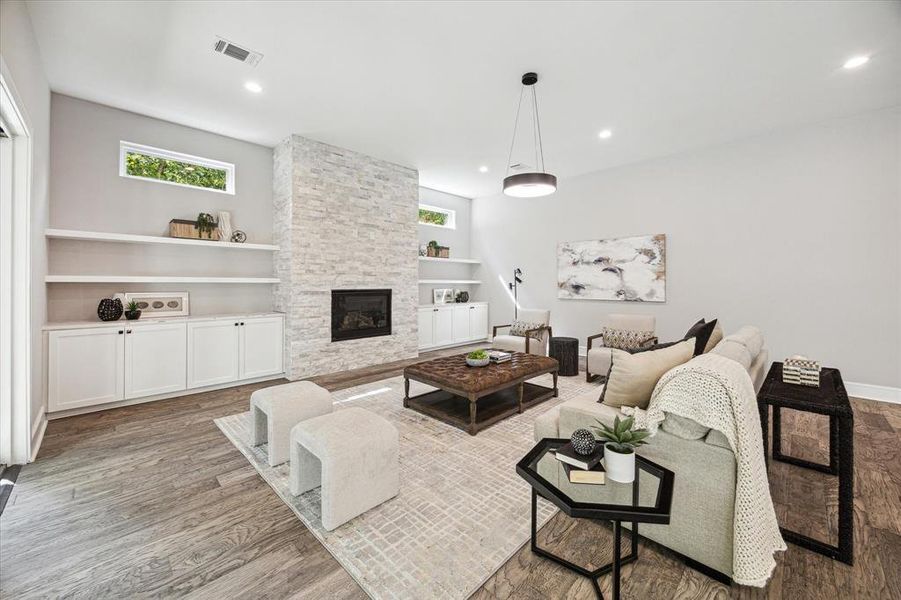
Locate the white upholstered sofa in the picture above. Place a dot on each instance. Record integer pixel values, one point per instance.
(704, 490)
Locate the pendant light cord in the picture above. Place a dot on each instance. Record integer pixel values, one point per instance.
(540, 149)
(536, 131)
(515, 124)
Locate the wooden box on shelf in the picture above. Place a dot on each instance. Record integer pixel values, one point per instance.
(438, 252)
(183, 228)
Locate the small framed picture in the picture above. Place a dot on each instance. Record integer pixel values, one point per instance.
(161, 304)
(442, 295)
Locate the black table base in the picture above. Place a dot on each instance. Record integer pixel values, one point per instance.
(614, 567)
(566, 351)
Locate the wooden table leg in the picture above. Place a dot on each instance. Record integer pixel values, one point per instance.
(473, 403)
(406, 392)
(519, 395)
(556, 392)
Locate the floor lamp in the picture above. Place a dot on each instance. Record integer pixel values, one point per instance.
(514, 285)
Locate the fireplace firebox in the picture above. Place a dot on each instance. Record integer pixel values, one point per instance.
(360, 314)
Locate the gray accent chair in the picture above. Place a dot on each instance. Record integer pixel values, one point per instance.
(528, 343)
(597, 359)
(704, 491)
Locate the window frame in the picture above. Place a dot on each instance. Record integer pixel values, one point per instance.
(126, 147)
(451, 213)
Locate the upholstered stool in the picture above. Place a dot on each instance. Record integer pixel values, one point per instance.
(352, 454)
(275, 410)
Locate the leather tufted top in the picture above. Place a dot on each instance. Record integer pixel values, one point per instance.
(452, 371)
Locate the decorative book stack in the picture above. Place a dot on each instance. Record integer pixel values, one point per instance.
(497, 356)
(582, 468)
(800, 370)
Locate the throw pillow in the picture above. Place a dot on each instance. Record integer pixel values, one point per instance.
(701, 332)
(632, 377)
(654, 347)
(715, 337)
(625, 339)
(519, 328)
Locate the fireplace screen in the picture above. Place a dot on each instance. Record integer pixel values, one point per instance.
(360, 314)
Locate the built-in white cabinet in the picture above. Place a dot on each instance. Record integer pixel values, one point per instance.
(154, 359)
(452, 324)
(85, 367)
(102, 363)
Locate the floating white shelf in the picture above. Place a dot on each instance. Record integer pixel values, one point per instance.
(465, 261)
(153, 279)
(128, 238)
(457, 281)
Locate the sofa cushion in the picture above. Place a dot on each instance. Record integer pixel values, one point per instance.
(734, 350)
(632, 377)
(625, 339)
(717, 438)
(683, 427)
(701, 332)
(715, 336)
(750, 337)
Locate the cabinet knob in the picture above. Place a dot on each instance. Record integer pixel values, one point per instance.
(121, 332)
(128, 331)
(242, 324)
(236, 324)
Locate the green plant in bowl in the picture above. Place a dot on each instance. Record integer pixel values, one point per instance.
(477, 355)
(477, 358)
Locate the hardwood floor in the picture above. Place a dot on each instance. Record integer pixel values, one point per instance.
(152, 501)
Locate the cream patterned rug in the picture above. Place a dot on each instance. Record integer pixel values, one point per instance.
(462, 510)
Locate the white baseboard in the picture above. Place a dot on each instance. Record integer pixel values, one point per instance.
(881, 393)
(98, 407)
(37, 434)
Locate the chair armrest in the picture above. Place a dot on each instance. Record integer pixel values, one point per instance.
(535, 331)
(591, 338)
(496, 327)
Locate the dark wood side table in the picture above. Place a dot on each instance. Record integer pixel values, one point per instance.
(830, 399)
(566, 351)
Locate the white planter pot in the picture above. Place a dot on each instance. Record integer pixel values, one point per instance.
(620, 467)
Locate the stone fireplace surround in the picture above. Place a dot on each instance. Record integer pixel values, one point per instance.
(342, 220)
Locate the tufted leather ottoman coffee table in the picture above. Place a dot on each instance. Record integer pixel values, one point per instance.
(473, 398)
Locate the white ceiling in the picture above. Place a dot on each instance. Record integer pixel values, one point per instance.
(434, 85)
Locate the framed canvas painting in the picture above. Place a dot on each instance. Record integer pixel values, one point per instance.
(629, 269)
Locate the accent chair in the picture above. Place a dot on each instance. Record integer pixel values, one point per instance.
(641, 328)
(529, 333)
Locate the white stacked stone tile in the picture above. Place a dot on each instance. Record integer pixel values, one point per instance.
(342, 220)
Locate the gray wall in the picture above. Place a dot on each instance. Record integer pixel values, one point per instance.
(20, 53)
(87, 193)
(458, 240)
(797, 232)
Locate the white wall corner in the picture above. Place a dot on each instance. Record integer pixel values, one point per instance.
(37, 434)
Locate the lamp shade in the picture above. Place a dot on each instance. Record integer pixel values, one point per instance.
(530, 185)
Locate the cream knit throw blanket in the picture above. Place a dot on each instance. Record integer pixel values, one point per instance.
(717, 392)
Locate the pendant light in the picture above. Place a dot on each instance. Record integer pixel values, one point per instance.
(536, 183)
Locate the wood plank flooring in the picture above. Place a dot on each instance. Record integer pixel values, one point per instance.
(152, 501)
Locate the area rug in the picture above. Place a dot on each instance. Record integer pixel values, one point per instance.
(462, 510)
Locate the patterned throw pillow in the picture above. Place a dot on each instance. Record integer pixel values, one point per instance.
(519, 328)
(624, 339)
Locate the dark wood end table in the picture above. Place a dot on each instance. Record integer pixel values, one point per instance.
(473, 398)
(829, 399)
(613, 501)
(566, 351)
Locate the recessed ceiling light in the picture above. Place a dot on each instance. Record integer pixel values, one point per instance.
(253, 86)
(856, 61)
(605, 134)
(483, 169)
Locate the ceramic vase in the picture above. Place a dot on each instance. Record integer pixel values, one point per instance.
(620, 467)
(225, 226)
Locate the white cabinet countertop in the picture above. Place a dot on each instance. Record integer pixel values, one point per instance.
(448, 304)
(151, 320)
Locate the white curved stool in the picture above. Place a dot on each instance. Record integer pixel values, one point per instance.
(275, 410)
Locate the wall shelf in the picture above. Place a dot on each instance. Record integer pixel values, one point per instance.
(465, 261)
(128, 238)
(457, 281)
(154, 279)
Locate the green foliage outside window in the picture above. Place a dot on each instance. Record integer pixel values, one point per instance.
(432, 217)
(152, 167)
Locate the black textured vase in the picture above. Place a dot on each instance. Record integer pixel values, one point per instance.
(109, 309)
(583, 442)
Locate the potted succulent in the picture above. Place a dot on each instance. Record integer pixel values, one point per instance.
(132, 311)
(478, 358)
(620, 442)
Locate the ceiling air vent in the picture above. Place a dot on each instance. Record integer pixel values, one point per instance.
(223, 46)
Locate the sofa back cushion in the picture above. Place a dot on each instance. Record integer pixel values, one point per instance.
(632, 377)
(734, 350)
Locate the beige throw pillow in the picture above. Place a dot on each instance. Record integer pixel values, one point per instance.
(715, 336)
(632, 377)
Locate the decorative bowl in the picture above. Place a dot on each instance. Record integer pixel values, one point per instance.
(478, 362)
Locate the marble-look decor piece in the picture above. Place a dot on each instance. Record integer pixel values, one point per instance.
(628, 269)
(462, 510)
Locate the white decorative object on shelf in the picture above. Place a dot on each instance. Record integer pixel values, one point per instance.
(225, 226)
(163, 304)
(800, 370)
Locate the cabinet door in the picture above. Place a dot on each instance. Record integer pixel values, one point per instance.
(478, 321)
(262, 346)
(155, 359)
(425, 321)
(213, 353)
(461, 324)
(85, 367)
(443, 326)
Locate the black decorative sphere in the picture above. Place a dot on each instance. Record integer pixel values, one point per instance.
(583, 442)
(109, 309)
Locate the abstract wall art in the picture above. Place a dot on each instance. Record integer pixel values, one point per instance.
(627, 269)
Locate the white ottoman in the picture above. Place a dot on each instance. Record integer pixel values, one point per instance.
(275, 410)
(352, 454)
